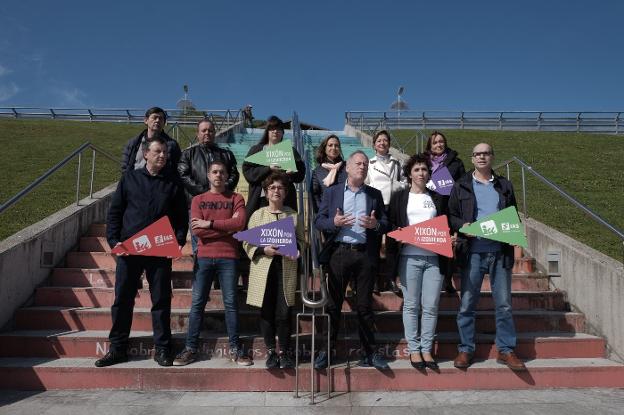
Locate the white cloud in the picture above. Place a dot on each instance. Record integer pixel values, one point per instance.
(4, 70)
(8, 91)
(70, 96)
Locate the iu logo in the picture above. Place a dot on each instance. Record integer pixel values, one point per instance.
(141, 243)
(489, 228)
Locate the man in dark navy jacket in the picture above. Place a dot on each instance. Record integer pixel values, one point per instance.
(352, 218)
(142, 197)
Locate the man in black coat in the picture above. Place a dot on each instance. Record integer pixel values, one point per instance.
(142, 197)
(155, 120)
(478, 194)
(352, 218)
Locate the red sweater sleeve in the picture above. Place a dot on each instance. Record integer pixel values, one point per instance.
(233, 224)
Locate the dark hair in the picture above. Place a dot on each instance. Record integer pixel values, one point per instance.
(213, 162)
(156, 110)
(148, 141)
(276, 176)
(273, 123)
(321, 157)
(382, 132)
(203, 120)
(420, 158)
(430, 141)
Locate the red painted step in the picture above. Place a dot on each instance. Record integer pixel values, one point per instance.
(104, 260)
(38, 318)
(218, 374)
(51, 343)
(105, 277)
(182, 298)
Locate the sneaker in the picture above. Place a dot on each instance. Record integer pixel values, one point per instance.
(185, 357)
(287, 360)
(273, 360)
(240, 358)
(163, 357)
(112, 358)
(321, 360)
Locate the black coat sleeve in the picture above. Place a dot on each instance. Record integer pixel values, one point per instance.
(127, 155)
(185, 167)
(179, 219)
(456, 220)
(299, 175)
(233, 175)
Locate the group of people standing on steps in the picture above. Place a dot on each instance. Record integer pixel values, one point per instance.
(356, 202)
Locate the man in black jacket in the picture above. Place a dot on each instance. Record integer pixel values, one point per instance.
(194, 162)
(155, 120)
(142, 197)
(475, 195)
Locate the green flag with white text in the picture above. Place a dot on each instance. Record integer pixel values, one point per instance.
(280, 155)
(502, 226)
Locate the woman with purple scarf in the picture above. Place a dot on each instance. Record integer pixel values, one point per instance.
(440, 155)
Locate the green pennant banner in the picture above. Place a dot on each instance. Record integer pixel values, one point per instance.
(502, 226)
(280, 154)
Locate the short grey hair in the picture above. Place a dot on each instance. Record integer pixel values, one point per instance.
(357, 152)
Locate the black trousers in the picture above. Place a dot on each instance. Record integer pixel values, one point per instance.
(275, 312)
(127, 282)
(348, 265)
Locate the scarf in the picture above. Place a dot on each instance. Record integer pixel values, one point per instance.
(333, 171)
(436, 161)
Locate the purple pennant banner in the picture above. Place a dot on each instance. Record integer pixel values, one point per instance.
(441, 181)
(280, 234)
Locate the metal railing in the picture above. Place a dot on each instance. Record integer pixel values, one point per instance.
(76, 153)
(221, 118)
(525, 167)
(607, 122)
(312, 307)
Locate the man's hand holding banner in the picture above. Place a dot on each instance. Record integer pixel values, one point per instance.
(432, 235)
(158, 239)
(502, 226)
(280, 234)
(280, 155)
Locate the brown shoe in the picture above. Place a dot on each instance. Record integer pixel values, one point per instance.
(463, 360)
(511, 360)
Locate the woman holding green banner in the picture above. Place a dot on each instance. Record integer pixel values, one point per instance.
(418, 268)
(256, 173)
(273, 276)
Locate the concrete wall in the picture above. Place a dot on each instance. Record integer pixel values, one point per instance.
(21, 269)
(594, 282)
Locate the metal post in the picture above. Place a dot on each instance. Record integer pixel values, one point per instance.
(92, 175)
(507, 171)
(578, 122)
(524, 202)
(78, 180)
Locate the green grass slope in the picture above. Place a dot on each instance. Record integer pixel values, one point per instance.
(587, 166)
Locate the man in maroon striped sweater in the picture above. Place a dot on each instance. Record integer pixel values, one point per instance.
(215, 216)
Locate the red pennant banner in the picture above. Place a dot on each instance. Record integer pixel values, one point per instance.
(158, 239)
(432, 235)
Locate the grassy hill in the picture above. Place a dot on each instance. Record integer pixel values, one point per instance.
(587, 166)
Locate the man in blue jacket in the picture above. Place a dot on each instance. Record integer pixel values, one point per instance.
(477, 194)
(352, 218)
(142, 197)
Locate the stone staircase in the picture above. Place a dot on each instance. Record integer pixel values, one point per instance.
(55, 341)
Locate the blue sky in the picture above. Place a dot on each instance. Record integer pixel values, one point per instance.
(319, 58)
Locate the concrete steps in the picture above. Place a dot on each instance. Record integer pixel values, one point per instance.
(221, 375)
(55, 341)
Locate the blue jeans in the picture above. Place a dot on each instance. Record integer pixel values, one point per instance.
(225, 270)
(421, 283)
(500, 279)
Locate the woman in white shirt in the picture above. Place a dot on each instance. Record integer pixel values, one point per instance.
(418, 268)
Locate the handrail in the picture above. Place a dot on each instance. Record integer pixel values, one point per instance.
(559, 190)
(610, 122)
(77, 152)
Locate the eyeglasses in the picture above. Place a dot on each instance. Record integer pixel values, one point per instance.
(276, 188)
(482, 153)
